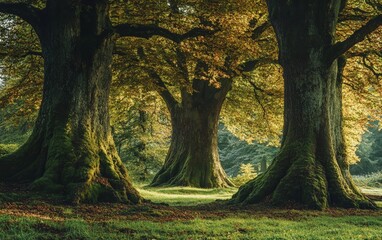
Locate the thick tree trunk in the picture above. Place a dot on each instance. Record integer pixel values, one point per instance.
(311, 168)
(193, 158)
(71, 150)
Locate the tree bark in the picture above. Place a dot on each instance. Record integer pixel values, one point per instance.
(193, 158)
(71, 150)
(311, 168)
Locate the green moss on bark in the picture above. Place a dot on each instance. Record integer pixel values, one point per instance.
(193, 158)
(296, 177)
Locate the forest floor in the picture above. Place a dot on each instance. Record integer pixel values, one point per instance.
(187, 213)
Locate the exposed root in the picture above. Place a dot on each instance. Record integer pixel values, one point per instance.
(301, 180)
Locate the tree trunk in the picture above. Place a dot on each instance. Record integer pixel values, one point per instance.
(193, 158)
(311, 168)
(71, 150)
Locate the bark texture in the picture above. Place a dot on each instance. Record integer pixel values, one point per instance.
(193, 158)
(311, 168)
(71, 150)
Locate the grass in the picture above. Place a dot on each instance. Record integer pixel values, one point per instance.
(323, 227)
(23, 218)
(188, 196)
(185, 196)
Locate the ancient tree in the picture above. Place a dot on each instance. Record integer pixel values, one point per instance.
(193, 158)
(311, 168)
(71, 150)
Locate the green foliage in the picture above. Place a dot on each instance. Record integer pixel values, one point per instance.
(247, 173)
(234, 152)
(369, 152)
(141, 129)
(238, 227)
(373, 180)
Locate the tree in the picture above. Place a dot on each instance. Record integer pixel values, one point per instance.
(193, 158)
(247, 172)
(202, 73)
(311, 167)
(71, 149)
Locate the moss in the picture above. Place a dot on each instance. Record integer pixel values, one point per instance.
(45, 184)
(6, 149)
(185, 170)
(296, 176)
(91, 176)
(193, 158)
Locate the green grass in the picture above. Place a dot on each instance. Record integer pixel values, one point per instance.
(185, 196)
(147, 222)
(188, 196)
(323, 227)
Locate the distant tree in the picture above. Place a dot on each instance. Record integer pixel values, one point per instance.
(246, 173)
(311, 168)
(141, 129)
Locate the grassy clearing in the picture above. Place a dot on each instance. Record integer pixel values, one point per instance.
(23, 218)
(185, 196)
(188, 196)
(323, 227)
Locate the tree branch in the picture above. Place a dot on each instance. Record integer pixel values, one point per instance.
(21, 54)
(370, 67)
(341, 47)
(258, 99)
(25, 11)
(363, 54)
(352, 17)
(251, 65)
(163, 90)
(150, 30)
(256, 33)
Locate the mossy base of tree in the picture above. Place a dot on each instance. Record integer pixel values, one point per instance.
(193, 158)
(192, 164)
(297, 177)
(191, 177)
(71, 150)
(82, 171)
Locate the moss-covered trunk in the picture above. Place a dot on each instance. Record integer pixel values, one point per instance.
(71, 150)
(311, 168)
(193, 158)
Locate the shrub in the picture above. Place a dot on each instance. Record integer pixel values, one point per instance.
(247, 172)
(371, 180)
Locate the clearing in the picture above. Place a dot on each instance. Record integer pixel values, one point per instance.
(24, 215)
